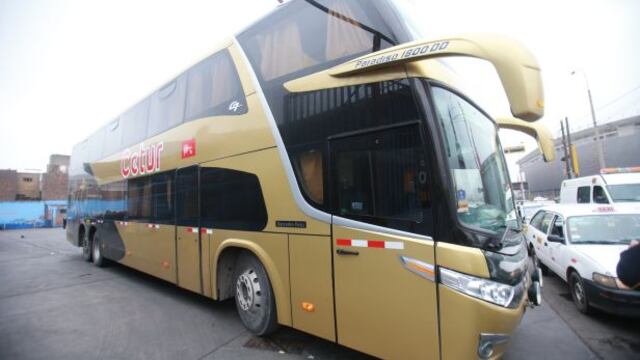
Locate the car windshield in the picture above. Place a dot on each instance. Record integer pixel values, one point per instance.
(482, 189)
(625, 192)
(604, 229)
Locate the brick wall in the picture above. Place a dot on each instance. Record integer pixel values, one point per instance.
(55, 180)
(28, 186)
(8, 185)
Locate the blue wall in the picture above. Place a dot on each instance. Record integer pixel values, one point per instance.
(25, 214)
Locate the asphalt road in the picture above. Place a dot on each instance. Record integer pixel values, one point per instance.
(54, 305)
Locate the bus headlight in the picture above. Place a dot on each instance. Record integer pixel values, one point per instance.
(605, 280)
(484, 289)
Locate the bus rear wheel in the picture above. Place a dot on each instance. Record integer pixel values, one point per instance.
(254, 297)
(86, 247)
(96, 251)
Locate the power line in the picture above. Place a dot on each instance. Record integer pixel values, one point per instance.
(619, 97)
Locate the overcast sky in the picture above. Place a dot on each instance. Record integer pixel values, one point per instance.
(67, 67)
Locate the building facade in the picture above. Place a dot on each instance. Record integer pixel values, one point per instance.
(621, 146)
(35, 185)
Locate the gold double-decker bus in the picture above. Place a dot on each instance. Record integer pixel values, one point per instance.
(323, 168)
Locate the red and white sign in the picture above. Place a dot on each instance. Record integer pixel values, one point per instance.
(146, 159)
(188, 148)
(206, 231)
(397, 245)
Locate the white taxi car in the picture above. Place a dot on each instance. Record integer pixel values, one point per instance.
(582, 243)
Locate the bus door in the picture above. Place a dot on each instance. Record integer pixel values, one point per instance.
(187, 229)
(385, 290)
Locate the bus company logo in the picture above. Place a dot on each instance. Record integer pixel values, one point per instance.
(146, 159)
(234, 106)
(188, 148)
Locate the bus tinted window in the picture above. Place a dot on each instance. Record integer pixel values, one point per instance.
(96, 142)
(134, 124)
(167, 106)
(114, 200)
(114, 136)
(305, 34)
(312, 117)
(231, 199)
(162, 198)
(213, 88)
(187, 197)
(139, 199)
(381, 178)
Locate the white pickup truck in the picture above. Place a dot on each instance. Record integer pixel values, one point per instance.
(608, 187)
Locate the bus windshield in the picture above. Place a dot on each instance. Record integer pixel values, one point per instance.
(482, 193)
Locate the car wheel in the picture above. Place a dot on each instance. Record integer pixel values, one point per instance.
(578, 293)
(254, 297)
(96, 251)
(86, 249)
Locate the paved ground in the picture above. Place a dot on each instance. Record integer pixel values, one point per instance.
(53, 305)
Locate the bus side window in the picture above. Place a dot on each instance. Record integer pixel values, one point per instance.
(187, 206)
(584, 195)
(599, 196)
(213, 88)
(231, 199)
(162, 206)
(139, 199)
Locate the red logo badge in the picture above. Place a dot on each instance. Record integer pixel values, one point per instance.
(188, 148)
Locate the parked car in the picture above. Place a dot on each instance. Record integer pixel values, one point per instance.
(582, 245)
(610, 186)
(526, 209)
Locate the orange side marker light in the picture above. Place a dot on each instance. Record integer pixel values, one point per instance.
(308, 307)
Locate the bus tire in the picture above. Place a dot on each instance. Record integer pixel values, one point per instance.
(86, 247)
(254, 296)
(96, 251)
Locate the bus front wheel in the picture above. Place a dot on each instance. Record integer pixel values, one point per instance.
(254, 297)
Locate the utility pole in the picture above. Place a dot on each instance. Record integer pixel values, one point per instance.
(566, 151)
(599, 146)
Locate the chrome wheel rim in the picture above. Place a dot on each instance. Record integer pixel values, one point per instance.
(248, 291)
(96, 250)
(579, 292)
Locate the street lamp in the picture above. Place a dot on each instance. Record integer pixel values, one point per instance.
(601, 162)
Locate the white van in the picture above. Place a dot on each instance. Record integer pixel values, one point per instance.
(610, 186)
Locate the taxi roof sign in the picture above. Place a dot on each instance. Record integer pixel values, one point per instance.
(622, 170)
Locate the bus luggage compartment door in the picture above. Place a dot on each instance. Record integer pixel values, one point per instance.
(385, 294)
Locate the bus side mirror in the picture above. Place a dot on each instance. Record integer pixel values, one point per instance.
(535, 130)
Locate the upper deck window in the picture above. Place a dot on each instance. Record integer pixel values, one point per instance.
(213, 88)
(306, 36)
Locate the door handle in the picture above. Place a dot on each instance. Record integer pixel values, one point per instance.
(546, 244)
(346, 252)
